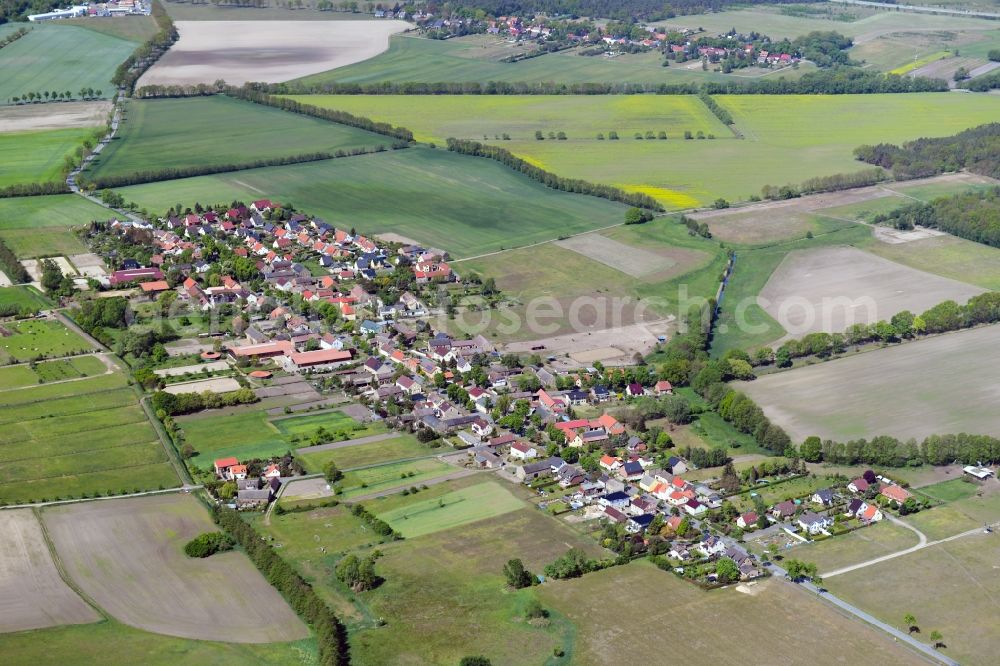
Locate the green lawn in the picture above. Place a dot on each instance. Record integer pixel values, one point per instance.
(782, 143)
(62, 58)
(948, 256)
(18, 376)
(463, 204)
(40, 226)
(37, 157)
(159, 134)
(468, 505)
(863, 544)
(960, 515)
(38, 338)
(23, 297)
(949, 491)
(388, 450)
(393, 475)
(252, 434)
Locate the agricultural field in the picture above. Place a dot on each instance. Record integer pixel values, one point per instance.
(241, 51)
(37, 157)
(31, 339)
(860, 545)
(772, 607)
(252, 434)
(459, 507)
(157, 134)
(64, 115)
(781, 143)
(47, 450)
(890, 393)
(399, 475)
(32, 595)
(23, 297)
(960, 604)
(830, 289)
(970, 512)
(21, 375)
(183, 10)
(61, 58)
(463, 204)
(128, 556)
(585, 275)
(133, 28)
(395, 447)
(40, 226)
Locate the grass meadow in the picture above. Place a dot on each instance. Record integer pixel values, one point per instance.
(457, 508)
(37, 157)
(158, 134)
(23, 297)
(783, 142)
(49, 450)
(391, 476)
(860, 545)
(61, 58)
(463, 204)
(38, 338)
(373, 453)
(18, 376)
(40, 226)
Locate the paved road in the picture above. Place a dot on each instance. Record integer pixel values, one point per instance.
(920, 8)
(347, 442)
(186, 488)
(924, 543)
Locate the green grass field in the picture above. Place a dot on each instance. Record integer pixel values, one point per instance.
(858, 546)
(61, 58)
(782, 143)
(132, 28)
(40, 226)
(390, 476)
(17, 376)
(963, 514)
(30, 339)
(949, 491)
(252, 434)
(460, 507)
(37, 157)
(75, 438)
(23, 297)
(463, 204)
(388, 450)
(92, 643)
(948, 256)
(158, 134)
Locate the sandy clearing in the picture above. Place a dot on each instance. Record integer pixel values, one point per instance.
(89, 264)
(127, 554)
(32, 595)
(611, 346)
(216, 385)
(829, 289)
(241, 51)
(899, 236)
(60, 115)
(307, 489)
(198, 367)
(630, 260)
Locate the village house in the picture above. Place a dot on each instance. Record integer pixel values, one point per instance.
(814, 523)
(895, 493)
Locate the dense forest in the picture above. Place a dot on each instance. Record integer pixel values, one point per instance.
(17, 10)
(974, 216)
(650, 10)
(976, 150)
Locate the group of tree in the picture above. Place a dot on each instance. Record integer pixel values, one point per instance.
(972, 215)
(10, 265)
(129, 71)
(722, 114)
(549, 179)
(832, 183)
(57, 95)
(976, 150)
(13, 36)
(112, 312)
(983, 83)
(799, 570)
(33, 189)
(330, 633)
(208, 544)
(696, 227)
(574, 564)
(517, 576)
(53, 281)
(838, 80)
(358, 573)
(822, 48)
(381, 528)
(636, 215)
(887, 451)
(175, 404)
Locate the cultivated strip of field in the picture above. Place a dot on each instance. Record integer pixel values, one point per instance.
(944, 384)
(40, 226)
(241, 51)
(127, 555)
(628, 259)
(64, 115)
(32, 595)
(459, 507)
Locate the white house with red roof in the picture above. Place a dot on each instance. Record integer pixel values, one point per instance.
(523, 451)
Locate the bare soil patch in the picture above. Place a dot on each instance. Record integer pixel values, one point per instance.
(897, 236)
(241, 51)
(611, 346)
(128, 555)
(631, 260)
(829, 289)
(89, 264)
(217, 385)
(198, 367)
(61, 115)
(397, 238)
(32, 595)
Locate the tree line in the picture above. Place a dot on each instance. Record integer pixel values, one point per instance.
(129, 71)
(974, 216)
(175, 404)
(330, 633)
(11, 266)
(887, 451)
(33, 189)
(623, 10)
(832, 183)
(713, 106)
(13, 37)
(976, 150)
(505, 157)
(152, 176)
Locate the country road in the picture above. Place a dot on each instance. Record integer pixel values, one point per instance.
(186, 488)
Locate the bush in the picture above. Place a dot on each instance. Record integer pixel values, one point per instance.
(207, 544)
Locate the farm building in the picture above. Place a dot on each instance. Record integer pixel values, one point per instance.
(320, 359)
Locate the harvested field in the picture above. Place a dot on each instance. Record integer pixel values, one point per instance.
(300, 390)
(64, 115)
(128, 556)
(889, 392)
(32, 595)
(241, 51)
(832, 288)
(775, 609)
(217, 385)
(631, 260)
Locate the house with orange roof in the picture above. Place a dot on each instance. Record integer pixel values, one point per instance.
(224, 466)
(895, 493)
(610, 463)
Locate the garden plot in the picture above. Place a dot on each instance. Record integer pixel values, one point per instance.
(32, 595)
(832, 288)
(241, 51)
(128, 555)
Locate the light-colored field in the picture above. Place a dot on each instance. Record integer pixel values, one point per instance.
(951, 588)
(949, 256)
(128, 556)
(32, 595)
(944, 384)
(241, 51)
(631, 260)
(460, 507)
(64, 115)
(772, 607)
(216, 385)
(830, 289)
(184, 369)
(860, 545)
